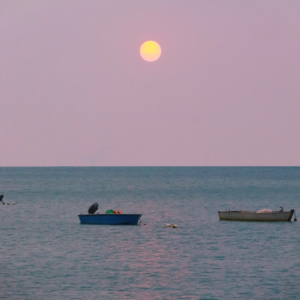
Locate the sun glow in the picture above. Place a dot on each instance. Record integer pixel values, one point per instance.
(150, 51)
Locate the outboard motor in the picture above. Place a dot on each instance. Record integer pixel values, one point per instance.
(93, 208)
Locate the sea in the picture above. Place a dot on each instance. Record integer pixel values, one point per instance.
(45, 253)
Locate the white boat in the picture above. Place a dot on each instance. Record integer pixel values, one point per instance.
(242, 215)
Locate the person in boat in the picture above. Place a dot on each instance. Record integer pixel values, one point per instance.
(93, 208)
(281, 209)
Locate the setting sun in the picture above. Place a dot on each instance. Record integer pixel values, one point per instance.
(150, 51)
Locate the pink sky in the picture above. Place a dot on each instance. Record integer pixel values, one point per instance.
(74, 90)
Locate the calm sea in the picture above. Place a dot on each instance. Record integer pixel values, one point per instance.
(46, 254)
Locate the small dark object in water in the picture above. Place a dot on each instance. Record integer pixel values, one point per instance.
(1, 197)
(93, 208)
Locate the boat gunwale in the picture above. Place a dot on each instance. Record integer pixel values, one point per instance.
(110, 215)
(255, 212)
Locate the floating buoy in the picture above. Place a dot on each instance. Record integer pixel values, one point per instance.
(14, 204)
(3, 203)
(168, 225)
(175, 226)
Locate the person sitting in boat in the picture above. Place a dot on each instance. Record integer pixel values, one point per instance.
(93, 208)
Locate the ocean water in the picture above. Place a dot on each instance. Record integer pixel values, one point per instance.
(46, 254)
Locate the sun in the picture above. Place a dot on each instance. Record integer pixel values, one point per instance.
(150, 51)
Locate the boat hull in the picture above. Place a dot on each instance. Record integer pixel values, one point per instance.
(110, 219)
(285, 216)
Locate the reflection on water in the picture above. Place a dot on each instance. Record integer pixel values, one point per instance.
(47, 254)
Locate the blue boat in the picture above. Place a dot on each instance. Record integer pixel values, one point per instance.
(110, 219)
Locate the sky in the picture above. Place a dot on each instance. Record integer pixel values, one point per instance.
(74, 90)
